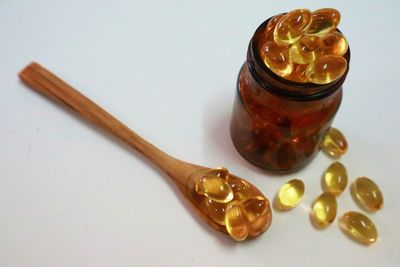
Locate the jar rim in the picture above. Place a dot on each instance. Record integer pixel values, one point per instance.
(283, 87)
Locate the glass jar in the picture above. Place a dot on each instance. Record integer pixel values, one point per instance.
(278, 124)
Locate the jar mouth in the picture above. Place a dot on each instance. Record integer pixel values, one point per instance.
(283, 87)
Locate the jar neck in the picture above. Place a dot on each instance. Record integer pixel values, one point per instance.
(282, 87)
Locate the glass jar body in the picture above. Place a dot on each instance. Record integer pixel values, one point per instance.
(277, 133)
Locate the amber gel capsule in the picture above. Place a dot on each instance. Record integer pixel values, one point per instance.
(236, 221)
(333, 43)
(291, 26)
(258, 213)
(216, 210)
(323, 21)
(367, 194)
(289, 195)
(324, 210)
(240, 188)
(304, 51)
(214, 188)
(276, 58)
(335, 178)
(359, 227)
(334, 143)
(326, 69)
(269, 30)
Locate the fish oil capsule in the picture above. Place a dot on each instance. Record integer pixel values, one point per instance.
(298, 74)
(269, 30)
(219, 172)
(326, 69)
(333, 43)
(276, 58)
(216, 210)
(236, 221)
(214, 188)
(335, 178)
(359, 227)
(291, 26)
(304, 51)
(324, 210)
(258, 213)
(240, 188)
(289, 195)
(323, 21)
(334, 143)
(367, 194)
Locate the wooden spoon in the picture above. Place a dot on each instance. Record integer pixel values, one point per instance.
(45, 82)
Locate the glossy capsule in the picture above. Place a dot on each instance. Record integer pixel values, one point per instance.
(333, 43)
(335, 179)
(236, 221)
(367, 194)
(269, 30)
(291, 26)
(276, 58)
(215, 210)
(326, 69)
(258, 213)
(240, 188)
(334, 143)
(323, 210)
(359, 227)
(214, 188)
(304, 51)
(323, 21)
(298, 74)
(289, 195)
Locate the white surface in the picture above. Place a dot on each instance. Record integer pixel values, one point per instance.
(71, 195)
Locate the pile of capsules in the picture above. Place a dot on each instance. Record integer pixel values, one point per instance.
(334, 181)
(232, 202)
(305, 47)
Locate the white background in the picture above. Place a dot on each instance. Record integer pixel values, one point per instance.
(72, 195)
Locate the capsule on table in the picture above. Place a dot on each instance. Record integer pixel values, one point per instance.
(323, 21)
(214, 188)
(359, 227)
(298, 74)
(324, 209)
(335, 178)
(289, 195)
(326, 69)
(216, 210)
(334, 143)
(367, 194)
(269, 30)
(291, 26)
(236, 221)
(304, 50)
(240, 188)
(333, 43)
(276, 58)
(259, 214)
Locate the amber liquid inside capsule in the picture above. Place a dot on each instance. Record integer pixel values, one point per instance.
(247, 214)
(334, 143)
(359, 227)
(304, 51)
(335, 178)
(214, 188)
(367, 194)
(326, 69)
(276, 58)
(291, 26)
(333, 44)
(289, 195)
(324, 21)
(324, 210)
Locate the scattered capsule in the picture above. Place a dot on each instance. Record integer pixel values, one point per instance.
(269, 30)
(241, 188)
(276, 58)
(215, 188)
(333, 44)
(323, 21)
(359, 227)
(259, 214)
(326, 69)
(298, 74)
(291, 26)
(236, 221)
(304, 50)
(335, 178)
(324, 210)
(367, 194)
(289, 195)
(216, 211)
(334, 143)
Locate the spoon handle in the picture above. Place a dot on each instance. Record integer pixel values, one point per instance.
(45, 82)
